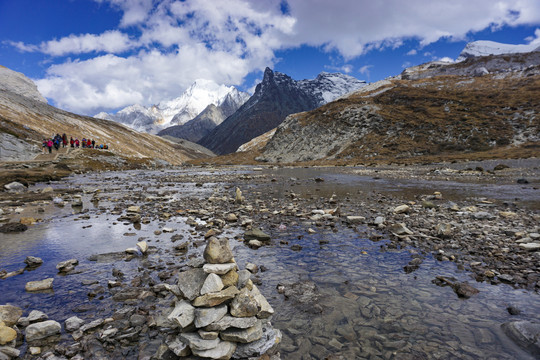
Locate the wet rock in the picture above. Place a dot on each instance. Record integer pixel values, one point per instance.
(28, 221)
(67, 266)
(37, 316)
(39, 285)
(355, 219)
(238, 196)
(512, 310)
(462, 289)
(255, 244)
(218, 251)
(256, 234)
(143, 247)
(10, 314)
(13, 227)
(73, 323)
(190, 282)
(42, 330)
(524, 333)
(33, 262)
(532, 246)
(522, 181)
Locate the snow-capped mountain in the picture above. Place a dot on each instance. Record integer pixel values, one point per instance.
(485, 48)
(177, 111)
(277, 96)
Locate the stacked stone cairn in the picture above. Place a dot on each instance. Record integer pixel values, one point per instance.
(219, 310)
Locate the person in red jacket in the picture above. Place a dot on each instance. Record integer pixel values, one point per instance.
(88, 143)
(49, 145)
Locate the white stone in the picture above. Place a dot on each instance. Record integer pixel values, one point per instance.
(212, 283)
(220, 269)
(206, 316)
(42, 330)
(401, 209)
(143, 246)
(39, 285)
(530, 246)
(224, 350)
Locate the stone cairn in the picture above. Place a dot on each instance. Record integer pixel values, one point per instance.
(219, 310)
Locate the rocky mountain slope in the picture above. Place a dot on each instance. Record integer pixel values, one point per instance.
(276, 97)
(206, 121)
(486, 48)
(428, 110)
(25, 116)
(180, 110)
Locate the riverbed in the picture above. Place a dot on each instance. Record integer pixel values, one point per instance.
(361, 303)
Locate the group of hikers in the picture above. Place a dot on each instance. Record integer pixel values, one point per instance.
(61, 140)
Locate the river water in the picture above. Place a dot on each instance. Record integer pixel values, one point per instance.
(365, 305)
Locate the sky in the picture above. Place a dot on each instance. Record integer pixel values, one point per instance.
(88, 56)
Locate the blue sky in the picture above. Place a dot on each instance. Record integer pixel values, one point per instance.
(88, 56)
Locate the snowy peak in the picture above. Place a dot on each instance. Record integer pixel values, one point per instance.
(485, 48)
(330, 86)
(19, 84)
(180, 110)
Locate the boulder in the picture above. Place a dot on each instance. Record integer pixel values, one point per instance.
(42, 330)
(218, 251)
(13, 227)
(37, 316)
(39, 285)
(14, 186)
(10, 314)
(230, 278)
(73, 323)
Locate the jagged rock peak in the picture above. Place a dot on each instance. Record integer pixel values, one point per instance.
(19, 84)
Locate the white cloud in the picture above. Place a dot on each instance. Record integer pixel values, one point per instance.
(447, 59)
(412, 52)
(226, 40)
(534, 40)
(364, 70)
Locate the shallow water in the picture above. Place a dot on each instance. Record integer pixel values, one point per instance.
(370, 307)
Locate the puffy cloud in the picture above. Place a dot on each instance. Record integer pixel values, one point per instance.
(172, 43)
(353, 27)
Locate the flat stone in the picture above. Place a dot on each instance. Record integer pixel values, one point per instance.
(73, 323)
(10, 351)
(530, 246)
(91, 325)
(400, 229)
(212, 283)
(218, 251)
(42, 330)
(190, 282)
(39, 285)
(355, 219)
(248, 335)
(256, 234)
(214, 299)
(10, 314)
(255, 244)
(195, 342)
(224, 350)
(13, 227)
(134, 209)
(244, 305)
(229, 321)
(183, 314)
(206, 316)
(208, 335)
(7, 334)
(220, 269)
(14, 186)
